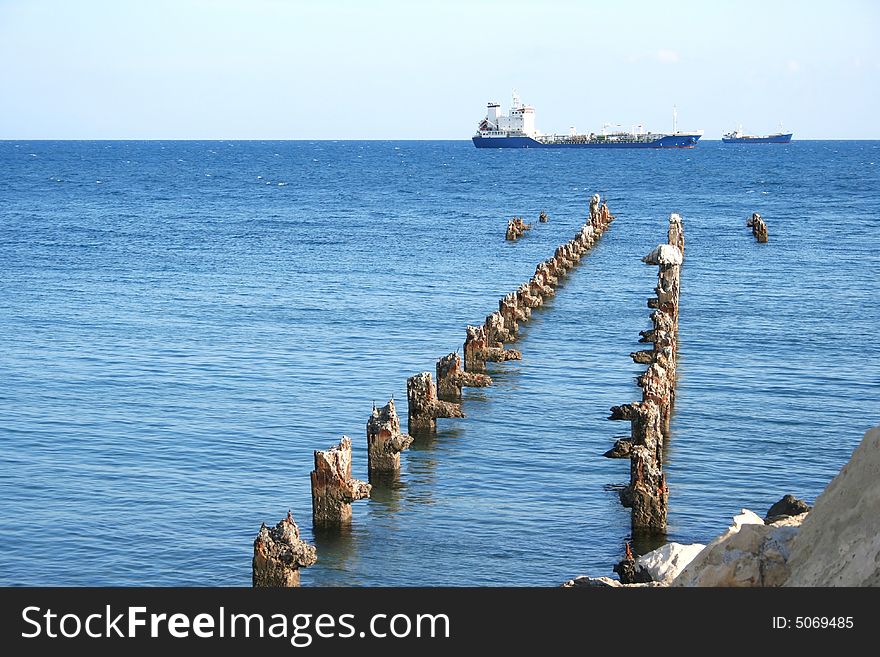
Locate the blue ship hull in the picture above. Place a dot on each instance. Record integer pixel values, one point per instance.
(772, 139)
(666, 141)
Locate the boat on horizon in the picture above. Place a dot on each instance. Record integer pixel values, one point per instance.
(517, 130)
(739, 137)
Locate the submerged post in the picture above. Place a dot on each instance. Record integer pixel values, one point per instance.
(385, 440)
(279, 553)
(516, 228)
(759, 228)
(333, 488)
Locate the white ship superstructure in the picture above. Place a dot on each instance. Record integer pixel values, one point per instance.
(520, 123)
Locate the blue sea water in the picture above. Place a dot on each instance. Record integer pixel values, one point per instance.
(183, 323)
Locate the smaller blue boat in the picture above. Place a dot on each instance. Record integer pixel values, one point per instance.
(739, 137)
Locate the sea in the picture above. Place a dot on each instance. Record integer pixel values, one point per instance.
(184, 323)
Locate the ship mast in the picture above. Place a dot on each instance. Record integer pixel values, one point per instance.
(674, 120)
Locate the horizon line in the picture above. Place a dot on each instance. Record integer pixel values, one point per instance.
(337, 139)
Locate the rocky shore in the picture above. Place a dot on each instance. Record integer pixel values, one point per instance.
(836, 543)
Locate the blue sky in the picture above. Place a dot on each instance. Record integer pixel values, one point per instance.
(279, 69)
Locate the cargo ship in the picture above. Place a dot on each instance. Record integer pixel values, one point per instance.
(739, 137)
(518, 131)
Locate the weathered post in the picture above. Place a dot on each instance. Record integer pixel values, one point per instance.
(451, 378)
(510, 317)
(676, 232)
(516, 228)
(600, 216)
(496, 336)
(333, 488)
(647, 493)
(526, 298)
(658, 383)
(496, 330)
(385, 440)
(512, 234)
(478, 349)
(539, 286)
(279, 553)
(595, 201)
(424, 405)
(759, 228)
(476, 346)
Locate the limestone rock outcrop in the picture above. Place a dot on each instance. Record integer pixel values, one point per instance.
(748, 554)
(839, 542)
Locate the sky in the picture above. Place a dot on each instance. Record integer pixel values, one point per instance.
(342, 69)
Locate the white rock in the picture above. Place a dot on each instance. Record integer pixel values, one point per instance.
(665, 563)
(591, 582)
(664, 254)
(747, 518)
(839, 543)
(749, 553)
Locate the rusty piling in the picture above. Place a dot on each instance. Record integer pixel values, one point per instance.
(279, 553)
(385, 440)
(333, 488)
(647, 493)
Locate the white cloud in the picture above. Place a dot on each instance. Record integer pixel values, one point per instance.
(668, 56)
(794, 66)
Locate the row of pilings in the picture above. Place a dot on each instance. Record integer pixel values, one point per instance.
(647, 494)
(279, 552)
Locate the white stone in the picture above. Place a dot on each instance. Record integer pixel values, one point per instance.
(591, 582)
(664, 254)
(747, 518)
(839, 542)
(749, 553)
(665, 563)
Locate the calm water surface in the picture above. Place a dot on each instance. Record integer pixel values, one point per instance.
(183, 323)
